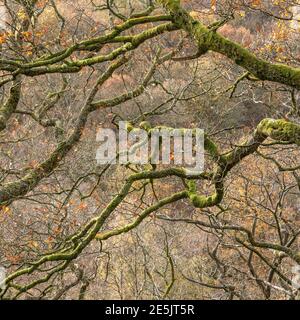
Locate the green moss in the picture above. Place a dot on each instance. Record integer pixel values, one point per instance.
(129, 126)
(211, 147)
(281, 130)
(200, 201)
(145, 125)
(170, 4)
(11, 104)
(210, 40)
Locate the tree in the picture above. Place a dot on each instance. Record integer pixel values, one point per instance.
(64, 72)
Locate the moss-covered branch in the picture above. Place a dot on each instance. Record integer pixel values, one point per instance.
(175, 197)
(58, 62)
(19, 188)
(279, 130)
(210, 40)
(11, 104)
(268, 128)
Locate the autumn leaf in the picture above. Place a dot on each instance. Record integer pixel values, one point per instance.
(2, 38)
(82, 206)
(5, 210)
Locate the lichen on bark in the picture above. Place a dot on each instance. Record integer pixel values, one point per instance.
(208, 39)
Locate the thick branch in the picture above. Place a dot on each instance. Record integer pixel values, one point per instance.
(11, 104)
(210, 40)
